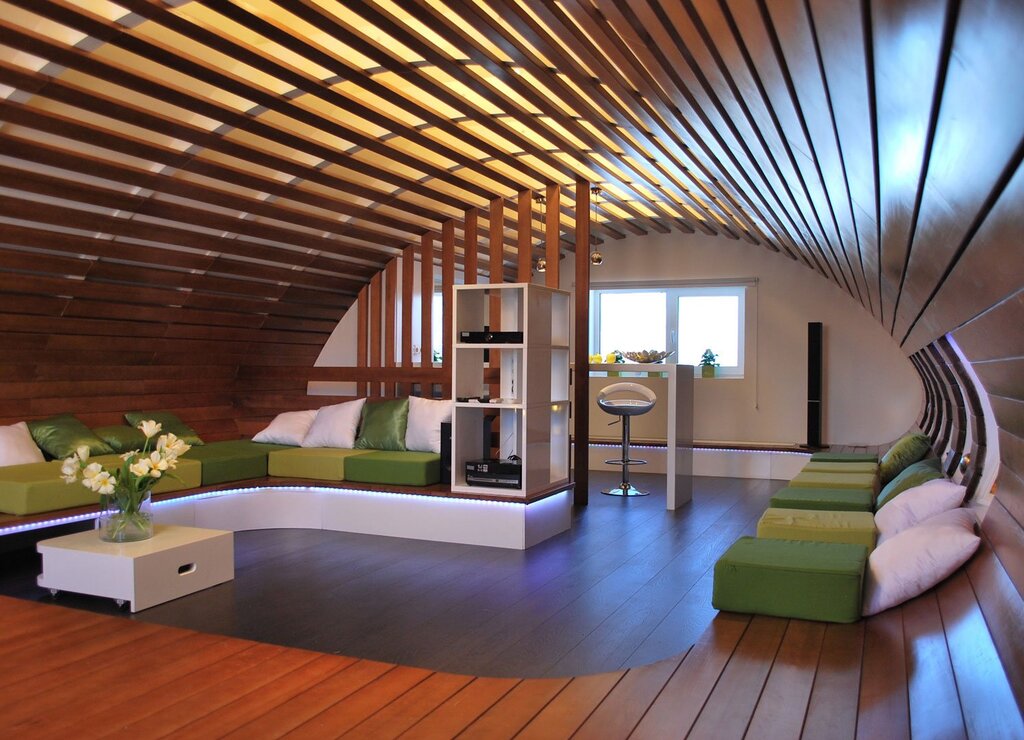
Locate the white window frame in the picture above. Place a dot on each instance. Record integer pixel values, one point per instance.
(740, 287)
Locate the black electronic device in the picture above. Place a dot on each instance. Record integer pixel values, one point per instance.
(494, 473)
(491, 337)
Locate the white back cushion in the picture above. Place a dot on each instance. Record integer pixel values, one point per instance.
(335, 426)
(17, 446)
(911, 562)
(289, 428)
(917, 504)
(423, 432)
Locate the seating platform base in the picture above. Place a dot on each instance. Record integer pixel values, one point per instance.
(508, 524)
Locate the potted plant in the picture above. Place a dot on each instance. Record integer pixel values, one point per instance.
(125, 491)
(708, 364)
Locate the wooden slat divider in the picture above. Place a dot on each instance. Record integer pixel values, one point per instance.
(376, 300)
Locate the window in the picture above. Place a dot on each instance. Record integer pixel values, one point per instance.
(682, 318)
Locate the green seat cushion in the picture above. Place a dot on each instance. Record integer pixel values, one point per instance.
(37, 487)
(824, 499)
(188, 474)
(815, 466)
(59, 437)
(906, 451)
(911, 477)
(318, 463)
(852, 527)
(815, 479)
(232, 460)
(121, 437)
(395, 468)
(791, 578)
(826, 456)
(382, 425)
(168, 423)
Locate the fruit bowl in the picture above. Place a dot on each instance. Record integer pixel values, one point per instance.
(646, 356)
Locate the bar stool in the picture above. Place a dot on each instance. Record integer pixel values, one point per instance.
(626, 400)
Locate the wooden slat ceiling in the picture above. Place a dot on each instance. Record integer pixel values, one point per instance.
(271, 157)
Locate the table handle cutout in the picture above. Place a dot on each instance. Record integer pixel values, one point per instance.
(184, 570)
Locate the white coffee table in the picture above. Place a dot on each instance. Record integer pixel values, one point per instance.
(175, 562)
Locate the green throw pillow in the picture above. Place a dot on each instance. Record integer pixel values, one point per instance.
(121, 437)
(913, 476)
(906, 451)
(59, 437)
(168, 423)
(383, 425)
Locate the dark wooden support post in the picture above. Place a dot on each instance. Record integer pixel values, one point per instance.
(523, 237)
(552, 227)
(376, 304)
(470, 268)
(447, 292)
(390, 320)
(363, 309)
(408, 273)
(426, 302)
(581, 349)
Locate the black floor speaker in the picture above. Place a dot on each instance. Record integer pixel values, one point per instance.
(446, 452)
(814, 383)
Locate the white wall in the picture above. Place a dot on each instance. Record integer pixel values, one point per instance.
(872, 392)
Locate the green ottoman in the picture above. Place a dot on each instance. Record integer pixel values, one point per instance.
(395, 468)
(824, 499)
(826, 456)
(852, 527)
(233, 459)
(791, 578)
(318, 463)
(813, 479)
(840, 467)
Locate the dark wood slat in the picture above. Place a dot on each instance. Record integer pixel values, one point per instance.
(832, 711)
(625, 705)
(985, 694)
(564, 715)
(934, 704)
(455, 714)
(788, 687)
(513, 711)
(411, 707)
(883, 708)
(730, 705)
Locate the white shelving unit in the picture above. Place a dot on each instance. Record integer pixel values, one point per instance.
(534, 385)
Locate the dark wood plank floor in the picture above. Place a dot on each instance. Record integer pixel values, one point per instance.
(628, 586)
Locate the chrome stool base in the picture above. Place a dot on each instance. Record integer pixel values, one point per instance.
(625, 489)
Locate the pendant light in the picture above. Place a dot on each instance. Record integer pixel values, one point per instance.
(541, 264)
(596, 258)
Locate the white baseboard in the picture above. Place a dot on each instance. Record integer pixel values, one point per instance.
(762, 464)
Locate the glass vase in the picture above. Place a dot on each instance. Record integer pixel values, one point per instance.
(125, 521)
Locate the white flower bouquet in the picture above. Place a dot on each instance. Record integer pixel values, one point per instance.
(125, 491)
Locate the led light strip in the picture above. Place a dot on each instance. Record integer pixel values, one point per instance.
(702, 449)
(446, 500)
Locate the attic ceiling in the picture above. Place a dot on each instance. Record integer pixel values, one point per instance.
(240, 154)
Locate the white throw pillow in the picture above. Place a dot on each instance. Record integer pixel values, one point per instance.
(289, 428)
(911, 562)
(17, 446)
(917, 504)
(423, 431)
(335, 426)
